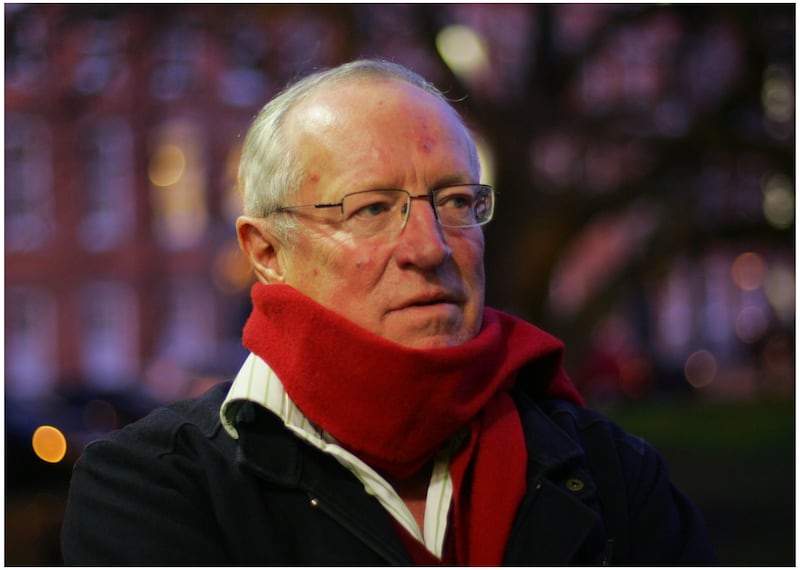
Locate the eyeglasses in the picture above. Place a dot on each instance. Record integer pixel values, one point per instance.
(372, 212)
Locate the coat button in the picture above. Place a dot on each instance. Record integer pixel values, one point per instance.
(574, 485)
(314, 502)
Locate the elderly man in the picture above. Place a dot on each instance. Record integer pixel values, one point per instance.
(384, 415)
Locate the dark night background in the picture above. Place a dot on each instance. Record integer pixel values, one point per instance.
(645, 158)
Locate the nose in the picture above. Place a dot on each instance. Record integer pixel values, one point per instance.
(421, 242)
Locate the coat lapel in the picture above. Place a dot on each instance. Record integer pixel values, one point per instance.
(553, 521)
(270, 451)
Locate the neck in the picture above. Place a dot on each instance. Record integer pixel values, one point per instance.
(413, 490)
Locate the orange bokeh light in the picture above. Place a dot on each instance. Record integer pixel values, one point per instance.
(49, 444)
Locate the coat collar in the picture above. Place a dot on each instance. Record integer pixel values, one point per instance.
(269, 450)
(265, 448)
(548, 445)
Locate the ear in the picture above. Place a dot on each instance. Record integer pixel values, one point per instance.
(261, 246)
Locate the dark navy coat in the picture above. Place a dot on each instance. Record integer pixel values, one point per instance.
(175, 489)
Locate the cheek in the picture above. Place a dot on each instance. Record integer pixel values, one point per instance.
(468, 254)
(354, 270)
(365, 262)
(362, 255)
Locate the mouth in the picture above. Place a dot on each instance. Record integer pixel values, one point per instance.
(429, 300)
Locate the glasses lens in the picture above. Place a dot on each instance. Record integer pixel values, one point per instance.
(374, 211)
(464, 206)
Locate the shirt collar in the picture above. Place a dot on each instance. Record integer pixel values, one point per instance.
(257, 382)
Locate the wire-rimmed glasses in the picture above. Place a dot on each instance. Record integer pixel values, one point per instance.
(372, 212)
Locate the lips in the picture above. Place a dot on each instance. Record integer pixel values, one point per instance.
(430, 299)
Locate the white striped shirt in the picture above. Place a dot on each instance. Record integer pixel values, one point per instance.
(256, 382)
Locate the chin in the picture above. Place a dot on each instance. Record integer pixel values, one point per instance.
(430, 327)
(430, 341)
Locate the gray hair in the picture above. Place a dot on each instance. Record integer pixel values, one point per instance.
(269, 172)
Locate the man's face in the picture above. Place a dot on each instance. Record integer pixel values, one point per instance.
(422, 287)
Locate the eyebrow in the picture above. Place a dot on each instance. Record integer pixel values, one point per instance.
(455, 180)
(448, 180)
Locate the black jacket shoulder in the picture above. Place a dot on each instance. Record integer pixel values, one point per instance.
(176, 489)
(646, 519)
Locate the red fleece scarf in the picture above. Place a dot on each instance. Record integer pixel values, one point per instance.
(394, 407)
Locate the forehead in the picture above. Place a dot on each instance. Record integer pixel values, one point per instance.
(377, 123)
(371, 94)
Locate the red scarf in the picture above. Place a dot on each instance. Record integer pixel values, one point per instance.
(394, 407)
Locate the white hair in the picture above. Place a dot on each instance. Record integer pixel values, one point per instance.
(269, 173)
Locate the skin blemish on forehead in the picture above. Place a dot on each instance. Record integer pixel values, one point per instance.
(426, 144)
(426, 141)
(313, 177)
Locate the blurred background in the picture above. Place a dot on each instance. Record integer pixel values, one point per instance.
(645, 159)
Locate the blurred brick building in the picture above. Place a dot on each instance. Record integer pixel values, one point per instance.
(644, 155)
(122, 126)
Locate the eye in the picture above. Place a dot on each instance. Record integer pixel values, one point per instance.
(373, 209)
(369, 205)
(456, 200)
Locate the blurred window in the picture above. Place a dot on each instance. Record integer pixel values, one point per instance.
(176, 52)
(178, 181)
(101, 64)
(31, 340)
(26, 41)
(188, 328)
(109, 334)
(108, 208)
(28, 182)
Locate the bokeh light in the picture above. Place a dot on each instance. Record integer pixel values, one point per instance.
(701, 368)
(779, 287)
(486, 159)
(49, 444)
(463, 50)
(777, 94)
(778, 204)
(748, 271)
(178, 173)
(167, 165)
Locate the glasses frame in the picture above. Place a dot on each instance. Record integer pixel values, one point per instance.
(429, 197)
